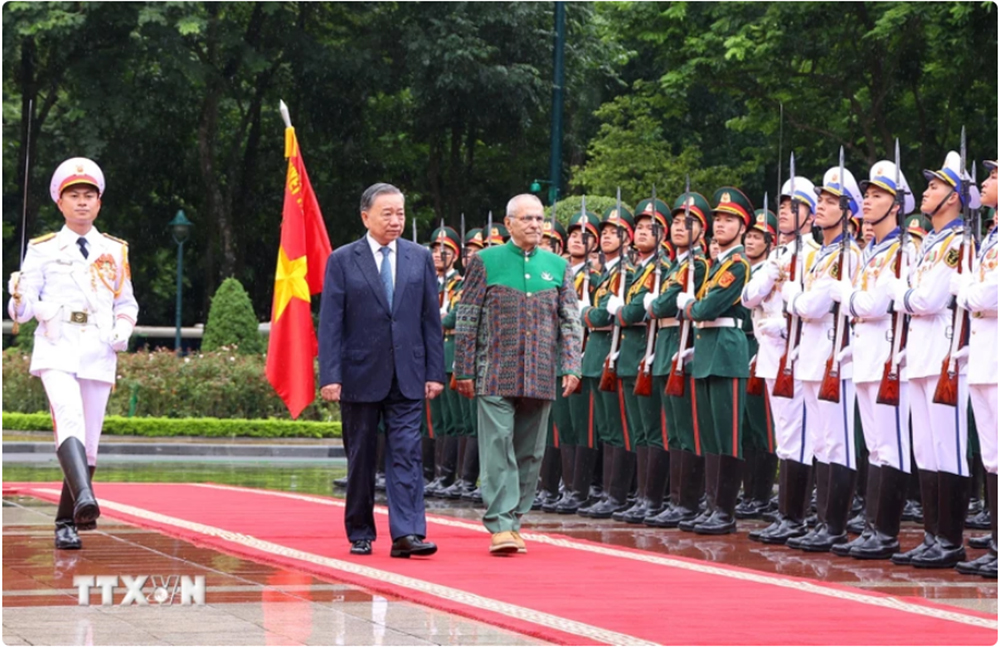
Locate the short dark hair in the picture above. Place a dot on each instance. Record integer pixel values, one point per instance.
(374, 191)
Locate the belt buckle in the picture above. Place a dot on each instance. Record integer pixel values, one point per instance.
(78, 317)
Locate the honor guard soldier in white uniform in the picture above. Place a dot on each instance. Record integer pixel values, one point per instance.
(867, 300)
(940, 431)
(77, 284)
(763, 295)
(977, 293)
(831, 421)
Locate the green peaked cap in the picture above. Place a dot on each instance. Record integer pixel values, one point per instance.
(699, 207)
(731, 200)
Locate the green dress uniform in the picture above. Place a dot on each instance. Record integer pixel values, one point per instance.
(609, 409)
(720, 368)
(517, 330)
(687, 465)
(643, 413)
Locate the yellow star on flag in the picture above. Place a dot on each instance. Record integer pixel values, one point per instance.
(289, 282)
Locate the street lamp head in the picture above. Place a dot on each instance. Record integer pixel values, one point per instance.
(180, 227)
(536, 186)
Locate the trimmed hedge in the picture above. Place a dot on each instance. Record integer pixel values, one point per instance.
(220, 384)
(201, 427)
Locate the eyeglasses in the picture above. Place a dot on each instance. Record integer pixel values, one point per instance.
(531, 219)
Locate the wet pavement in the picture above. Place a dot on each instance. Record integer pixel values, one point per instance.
(256, 604)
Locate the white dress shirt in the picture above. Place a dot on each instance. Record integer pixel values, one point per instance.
(376, 248)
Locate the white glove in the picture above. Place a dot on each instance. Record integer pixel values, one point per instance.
(120, 335)
(841, 291)
(647, 301)
(683, 299)
(615, 303)
(444, 311)
(582, 305)
(845, 354)
(959, 282)
(12, 283)
(790, 290)
(772, 327)
(897, 290)
(771, 272)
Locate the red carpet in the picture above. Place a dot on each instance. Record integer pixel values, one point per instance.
(564, 590)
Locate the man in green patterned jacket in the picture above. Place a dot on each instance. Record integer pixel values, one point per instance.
(518, 328)
(609, 413)
(642, 411)
(721, 364)
(687, 464)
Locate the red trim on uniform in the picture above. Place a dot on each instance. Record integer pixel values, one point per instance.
(126, 318)
(430, 427)
(736, 418)
(81, 178)
(55, 434)
(590, 421)
(694, 416)
(555, 435)
(621, 409)
(767, 420)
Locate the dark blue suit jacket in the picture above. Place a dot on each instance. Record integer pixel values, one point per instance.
(362, 339)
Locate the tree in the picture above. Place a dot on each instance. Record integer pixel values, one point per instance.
(231, 321)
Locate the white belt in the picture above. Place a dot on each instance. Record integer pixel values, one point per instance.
(721, 322)
(79, 317)
(668, 322)
(869, 320)
(603, 329)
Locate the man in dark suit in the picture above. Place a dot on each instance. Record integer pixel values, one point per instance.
(381, 354)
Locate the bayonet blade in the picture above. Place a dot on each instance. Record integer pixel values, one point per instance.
(489, 228)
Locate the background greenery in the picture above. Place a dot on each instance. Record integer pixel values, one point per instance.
(451, 102)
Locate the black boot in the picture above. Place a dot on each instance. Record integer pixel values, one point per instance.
(428, 451)
(657, 475)
(66, 536)
(723, 519)
(606, 469)
(567, 456)
(583, 474)
(764, 481)
(822, 473)
(840, 494)
(711, 489)
(793, 493)
(870, 512)
(883, 542)
(548, 490)
(91, 525)
(948, 549)
(687, 473)
(73, 460)
(447, 446)
(929, 503)
(745, 508)
(641, 506)
(622, 472)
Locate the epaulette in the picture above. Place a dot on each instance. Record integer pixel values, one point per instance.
(117, 240)
(737, 258)
(42, 239)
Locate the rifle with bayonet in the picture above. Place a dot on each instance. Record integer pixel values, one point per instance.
(784, 383)
(644, 378)
(888, 388)
(947, 386)
(675, 381)
(755, 384)
(16, 276)
(829, 389)
(609, 376)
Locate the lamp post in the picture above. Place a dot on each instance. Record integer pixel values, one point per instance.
(180, 228)
(536, 187)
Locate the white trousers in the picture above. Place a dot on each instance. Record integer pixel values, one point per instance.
(984, 407)
(940, 432)
(78, 408)
(831, 424)
(886, 429)
(790, 419)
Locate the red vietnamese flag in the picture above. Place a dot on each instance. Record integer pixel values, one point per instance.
(305, 246)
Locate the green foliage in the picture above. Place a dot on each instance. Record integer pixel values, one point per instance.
(231, 322)
(25, 339)
(196, 427)
(222, 384)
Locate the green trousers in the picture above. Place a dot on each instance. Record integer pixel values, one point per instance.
(560, 430)
(511, 444)
(581, 413)
(458, 413)
(645, 423)
(758, 426)
(609, 415)
(719, 405)
(432, 425)
(679, 414)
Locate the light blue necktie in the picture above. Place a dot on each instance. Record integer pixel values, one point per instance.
(386, 274)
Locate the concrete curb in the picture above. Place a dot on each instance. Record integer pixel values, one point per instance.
(193, 449)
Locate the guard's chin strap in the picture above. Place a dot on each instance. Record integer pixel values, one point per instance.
(886, 215)
(941, 204)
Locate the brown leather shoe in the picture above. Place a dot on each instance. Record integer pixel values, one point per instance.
(519, 540)
(503, 543)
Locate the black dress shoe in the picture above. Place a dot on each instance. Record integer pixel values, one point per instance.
(66, 537)
(475, 496)
(981, 541)
(340, 483)
(412, 545)
(972, 567)
(380, 485)
(361, 547)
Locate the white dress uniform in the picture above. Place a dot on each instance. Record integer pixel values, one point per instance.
(979, 297)
(762, 295)
(83, 305)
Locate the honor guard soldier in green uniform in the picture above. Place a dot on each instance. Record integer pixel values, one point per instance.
(445, 411)
(643, 411)
(554, 238)
(687, 464)
(583, 238)
(721, 361)
(759, 457)
(609, 414)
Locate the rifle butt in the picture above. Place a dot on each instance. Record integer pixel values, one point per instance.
(755, 385)
(888, 388)
(643, 382)
(784, 383)
(609, 378)
(453, 383)
(829, 389)
(675, 383)
(947, 387)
